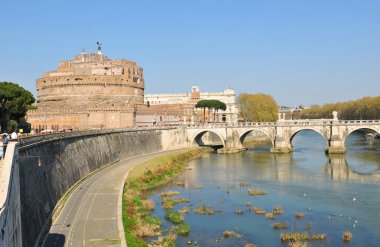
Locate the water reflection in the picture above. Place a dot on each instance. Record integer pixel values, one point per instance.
(339, 169)
(306, 180)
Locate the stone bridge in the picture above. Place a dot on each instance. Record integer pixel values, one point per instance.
(281, 133)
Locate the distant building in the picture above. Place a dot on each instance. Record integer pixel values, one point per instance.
(184, 105)
(90, 91)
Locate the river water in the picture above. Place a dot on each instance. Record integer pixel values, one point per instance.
(336, 194)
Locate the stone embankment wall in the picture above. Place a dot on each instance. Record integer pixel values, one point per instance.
(48, 168)
(10, 205)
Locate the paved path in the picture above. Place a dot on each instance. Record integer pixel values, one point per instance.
(91, 215)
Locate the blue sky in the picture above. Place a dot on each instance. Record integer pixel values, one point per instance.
(298, 51)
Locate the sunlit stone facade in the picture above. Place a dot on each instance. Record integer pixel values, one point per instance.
(89, 91)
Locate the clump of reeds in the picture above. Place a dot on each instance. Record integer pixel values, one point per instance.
(250, 245)
(299, 215)
(298, 244)
(259, 211)
(174, 217)
(277, 210)
(294, 236)
(269, 216)
(204, 210)
(185, 210)
(238, 211)
(256, 192)
(244, 184)
(169, 193)
(229, 234)
(181, 229)
(321, 236)
(347, 236)
(169, 203)
(308, 227)
(149, 204)
(279, 225)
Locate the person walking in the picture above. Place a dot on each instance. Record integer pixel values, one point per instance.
(5, 143)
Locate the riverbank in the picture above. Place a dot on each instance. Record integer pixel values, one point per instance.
(138, 224)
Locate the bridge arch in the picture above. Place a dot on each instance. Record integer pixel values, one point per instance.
(295, 132)
(197, 137)
(351, 130)
(243, 134)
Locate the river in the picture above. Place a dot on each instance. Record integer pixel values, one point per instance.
(336, 194)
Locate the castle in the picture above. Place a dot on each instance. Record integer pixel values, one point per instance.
(90, 91)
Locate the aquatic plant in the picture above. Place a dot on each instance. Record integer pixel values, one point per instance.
(149, 204)
(256, 192)
(279, 225)
(183, 229)
(299, 215)
(294, 236)
(204, 210)
(269, 216)
(169, 193)
(244, 184)
(174, 217)
(250, 245)
(308, 227)
(298, 244)
(239, 211)
(277, 210)
(347, 236)
(321, 236)
(229, 234)
(259, 211)
(184, 210)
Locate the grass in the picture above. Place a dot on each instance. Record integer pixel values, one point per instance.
(182, 229)
(138, 224)
(174, 217)
(169, 193)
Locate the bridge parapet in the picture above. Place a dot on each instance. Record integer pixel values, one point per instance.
(282, 132)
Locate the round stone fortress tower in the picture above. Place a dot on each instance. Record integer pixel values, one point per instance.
(90, 91)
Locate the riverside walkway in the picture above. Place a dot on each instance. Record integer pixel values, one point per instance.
(92, 214)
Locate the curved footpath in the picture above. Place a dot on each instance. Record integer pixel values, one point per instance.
(92, 214)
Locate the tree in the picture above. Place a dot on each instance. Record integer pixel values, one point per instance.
(258, 107)
(364, 108)
(210, 104)
(14, 102)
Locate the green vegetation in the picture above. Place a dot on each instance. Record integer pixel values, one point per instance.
(258, 107)
(214, 104)
(364, 108)
(138, 224)
(181, 229)
(174, 217)
(14, 102)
